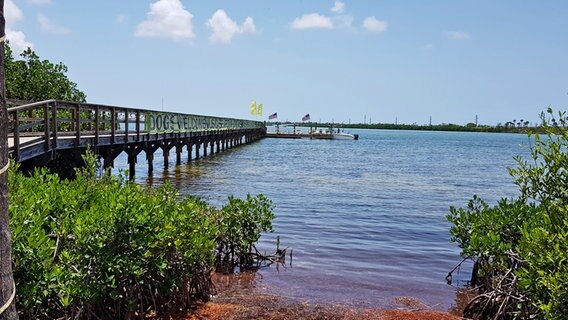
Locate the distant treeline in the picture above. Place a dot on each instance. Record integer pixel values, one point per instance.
(438, 127)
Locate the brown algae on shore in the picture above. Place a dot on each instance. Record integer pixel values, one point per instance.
(241, 297)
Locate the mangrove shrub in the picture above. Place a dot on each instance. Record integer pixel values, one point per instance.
(106, 248)
(520, 246)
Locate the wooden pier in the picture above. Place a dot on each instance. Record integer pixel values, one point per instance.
(56, 133)
(327, 133)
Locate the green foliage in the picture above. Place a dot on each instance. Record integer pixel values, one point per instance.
(33, 79)
(240, 223)
(106, 248)
(520, 246)
(496, 229)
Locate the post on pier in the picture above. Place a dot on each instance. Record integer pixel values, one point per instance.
(108, 164)
(132, 150)
(109, 154)
(166, 153)
(179, 149)
(131, 166)
(150, 149)
(150, 160)
(166, 147)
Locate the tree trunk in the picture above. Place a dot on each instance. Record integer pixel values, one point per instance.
(6, 276)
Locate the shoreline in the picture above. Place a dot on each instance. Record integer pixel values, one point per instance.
(416, 127)
(241, 297)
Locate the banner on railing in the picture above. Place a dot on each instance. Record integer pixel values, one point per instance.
(157, 122)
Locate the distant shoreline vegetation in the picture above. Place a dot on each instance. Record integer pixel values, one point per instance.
(470, 127)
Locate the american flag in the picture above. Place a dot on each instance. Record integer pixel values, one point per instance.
(273, 116)
(306, 117)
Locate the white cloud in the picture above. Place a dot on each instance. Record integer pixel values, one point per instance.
(428, 46)
(48, 26)
(224, 28)
(248, 25)
(12, 13)
(167, 19)
(457, 35)
(40, 2)
(312, 21)
(338, 7)
(18, 41)
(375, 25)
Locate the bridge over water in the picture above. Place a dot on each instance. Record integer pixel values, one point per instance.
(59, 132)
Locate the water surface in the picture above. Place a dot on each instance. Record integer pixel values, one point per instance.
(365, 219)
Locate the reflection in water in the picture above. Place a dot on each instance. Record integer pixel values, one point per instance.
(176, 175)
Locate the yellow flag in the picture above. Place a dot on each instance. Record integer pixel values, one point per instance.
(253, 108)
(259, 109)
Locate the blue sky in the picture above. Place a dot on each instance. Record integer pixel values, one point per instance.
(336, 60)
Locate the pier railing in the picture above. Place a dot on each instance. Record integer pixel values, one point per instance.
(45, 126)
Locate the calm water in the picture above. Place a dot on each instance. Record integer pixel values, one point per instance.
(365, 219)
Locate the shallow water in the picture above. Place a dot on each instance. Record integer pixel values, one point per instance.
(365, 219)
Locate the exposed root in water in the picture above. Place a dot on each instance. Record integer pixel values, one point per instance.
(229, 258)
(266, 260)
(496, 293)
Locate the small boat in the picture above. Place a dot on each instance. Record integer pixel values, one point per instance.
(345, 136)
(332, 134)
(342, 135)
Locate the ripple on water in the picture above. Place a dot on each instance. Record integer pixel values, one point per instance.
(365, 219)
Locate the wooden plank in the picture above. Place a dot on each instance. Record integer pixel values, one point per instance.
(23, 141)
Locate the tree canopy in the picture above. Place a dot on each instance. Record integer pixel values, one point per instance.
(33, 79)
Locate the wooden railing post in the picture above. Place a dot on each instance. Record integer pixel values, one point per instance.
(17, 136)
(104, 120)
(54, 119)
(77, 120)
(96, 125)
(113, 125)
(137, 125)
(46, 123)
(126, 116)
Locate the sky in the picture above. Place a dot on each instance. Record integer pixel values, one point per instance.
(342, 61)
